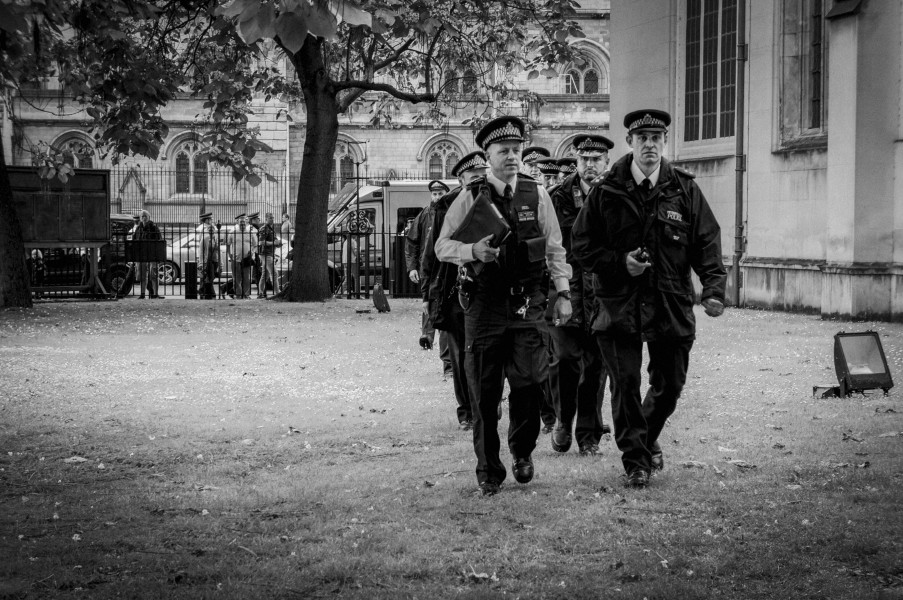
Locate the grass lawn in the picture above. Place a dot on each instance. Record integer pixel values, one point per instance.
(251, 449)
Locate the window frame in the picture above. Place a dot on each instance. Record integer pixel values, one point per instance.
(448, 157)
(195, 177)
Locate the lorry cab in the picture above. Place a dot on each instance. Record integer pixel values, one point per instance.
(371, 224)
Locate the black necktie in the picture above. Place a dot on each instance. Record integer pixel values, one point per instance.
(646, 185)
(509, 194)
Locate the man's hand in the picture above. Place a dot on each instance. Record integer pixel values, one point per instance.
(562, 311)
(426, 307)
(414, 275)
(483, 252)
(634, 266)
(713, 307)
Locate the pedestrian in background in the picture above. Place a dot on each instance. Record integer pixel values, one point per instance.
(505, 331)
(147, 231)
(286, 227)
(208, 255)
(268, 242)
(576, 371)
(530, 161)
(240, 243)
(643, 230)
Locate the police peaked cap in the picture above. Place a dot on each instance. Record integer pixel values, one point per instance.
(241, 216)
(501, 129)
(254, 215)
(206, 215)
(474, 160)
(437, 186)
(568, 164)
(534, 153)
(548, 166)
(647, 119)
(588, 144)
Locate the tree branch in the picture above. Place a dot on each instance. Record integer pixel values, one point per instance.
(394, 56)
(369, 86)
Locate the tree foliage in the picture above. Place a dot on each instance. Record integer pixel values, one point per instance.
(125, 60)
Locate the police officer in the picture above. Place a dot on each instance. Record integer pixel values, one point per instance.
(413, 253)
(529, 158)
(548, 172)
(567, 165)
(439, 287)
(642, 231)
(208, 255)
(576, 371)
(506, 334)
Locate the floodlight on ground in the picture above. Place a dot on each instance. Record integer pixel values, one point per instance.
(860, 363)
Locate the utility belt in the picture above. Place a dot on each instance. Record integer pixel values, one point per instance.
(520, 294)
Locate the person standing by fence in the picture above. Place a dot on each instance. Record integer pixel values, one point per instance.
(145, 231)
(208, 255)
(267, 250)
(240, 242)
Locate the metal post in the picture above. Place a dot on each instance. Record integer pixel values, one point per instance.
(739, 239)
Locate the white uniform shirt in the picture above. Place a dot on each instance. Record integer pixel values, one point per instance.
(459, 253)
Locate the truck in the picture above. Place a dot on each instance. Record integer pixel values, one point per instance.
(370, 222)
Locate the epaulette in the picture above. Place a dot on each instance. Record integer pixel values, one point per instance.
(684, 172)
(599, 180)
(477, 183)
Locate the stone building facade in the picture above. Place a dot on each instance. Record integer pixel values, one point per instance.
(817, 224)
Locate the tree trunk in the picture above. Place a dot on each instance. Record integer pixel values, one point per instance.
(310, 279)
(14, 281)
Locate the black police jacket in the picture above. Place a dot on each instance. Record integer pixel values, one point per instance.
(438, 284)
(677, 227)
(568, 198)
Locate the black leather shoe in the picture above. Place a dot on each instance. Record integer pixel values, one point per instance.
(638, 478)
(658, 460)
(523, 469)
(426, 343)
(489, 488)
(606, 429)
(561, 438)
(465, 425)
(589, 449)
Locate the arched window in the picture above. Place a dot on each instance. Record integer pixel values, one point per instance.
(344, 163)
(590, 77)
(469, 85)
(77, 153)
(456, 84)
(442, 157)
(192, 174)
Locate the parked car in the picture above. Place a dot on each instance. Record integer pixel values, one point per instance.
(185, 249)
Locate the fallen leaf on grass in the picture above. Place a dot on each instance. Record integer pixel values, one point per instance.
(428, 483)
(75, 459)
(794, 486)
(693, 464)
(847, 437)
(778, 446)
(742, 464)
(723, 449)
(891, 434)
(293, 430)
(475, 577)
(773, 426)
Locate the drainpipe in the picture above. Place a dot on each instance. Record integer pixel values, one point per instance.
(740, 162)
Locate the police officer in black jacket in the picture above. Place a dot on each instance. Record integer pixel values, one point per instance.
(506, 334)
(440, 291)
(642, 231)
(576, 372)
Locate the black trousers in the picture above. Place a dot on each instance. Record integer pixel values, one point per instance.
(577, 377)
(501, 344)
(638, 422)
(457, 355)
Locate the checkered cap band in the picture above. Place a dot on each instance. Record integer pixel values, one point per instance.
(476, 162)
(507, 132)
(647, 120)
(589, 144)
(534, 155)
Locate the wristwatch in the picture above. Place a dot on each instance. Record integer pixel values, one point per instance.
(566, 294)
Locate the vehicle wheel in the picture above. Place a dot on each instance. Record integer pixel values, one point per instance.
(167, 272)
(115, 279)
